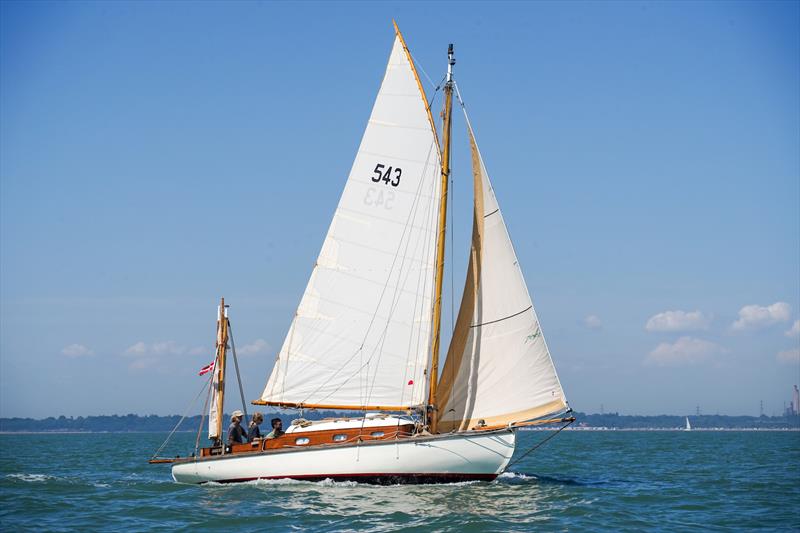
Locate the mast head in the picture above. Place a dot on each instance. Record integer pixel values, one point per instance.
(451, 60)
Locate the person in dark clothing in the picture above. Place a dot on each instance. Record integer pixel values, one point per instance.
(236, 434)
(254, 432)
(277, 429)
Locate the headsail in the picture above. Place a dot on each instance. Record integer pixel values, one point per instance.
(361, 334)
(498, 367)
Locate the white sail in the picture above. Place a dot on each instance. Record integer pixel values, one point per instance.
(213, 410)
(498, 367)
(362, 330)
(688, 425)
(214, 414)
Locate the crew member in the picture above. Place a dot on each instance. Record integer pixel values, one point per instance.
(277, 429)
(236, 434)
(254, 432)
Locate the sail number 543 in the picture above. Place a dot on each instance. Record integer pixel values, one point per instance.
(388, 175)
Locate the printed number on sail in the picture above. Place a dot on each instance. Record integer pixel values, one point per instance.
(387, 176)
(376, 197)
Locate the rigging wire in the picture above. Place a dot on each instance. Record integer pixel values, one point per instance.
(521, 457)
(185, 414)
(409, 221)
(238, 376)
(451, 199)
(417, 63)
(203, 419)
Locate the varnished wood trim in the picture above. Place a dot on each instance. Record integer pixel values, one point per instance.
(318, 438)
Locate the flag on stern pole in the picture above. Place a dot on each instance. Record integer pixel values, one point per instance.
(206, 369)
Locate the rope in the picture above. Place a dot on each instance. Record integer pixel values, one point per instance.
(521, 457)
(202, 421)
(186, 412)
(238, 377)
(409, 221)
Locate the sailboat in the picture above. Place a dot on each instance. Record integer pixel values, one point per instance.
(688, 425)
(366, 335)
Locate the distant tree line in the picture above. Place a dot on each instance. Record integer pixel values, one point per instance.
(615, 420)
(136, 423)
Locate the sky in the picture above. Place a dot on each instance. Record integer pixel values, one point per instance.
(156, 156)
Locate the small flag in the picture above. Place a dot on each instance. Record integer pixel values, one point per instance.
(410, 381)
(206, 369)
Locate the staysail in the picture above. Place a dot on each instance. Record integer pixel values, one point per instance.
(361, 334)
(498, 367)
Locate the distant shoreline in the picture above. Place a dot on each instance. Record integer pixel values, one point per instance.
(587, 430)
(584, 422)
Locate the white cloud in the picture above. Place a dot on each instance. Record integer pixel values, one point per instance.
(200, 350)
(593, 322)
(686, 350)
(794, 331)
(791, 357)
(757, 316)
(76, 350)
(157, 348)
(139, 348)
(142, 364)
(678, 321)
(255, 347)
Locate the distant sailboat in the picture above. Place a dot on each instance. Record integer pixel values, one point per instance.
(365, 336)
(688, 425)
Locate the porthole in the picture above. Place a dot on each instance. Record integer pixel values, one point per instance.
(377, 434)
(301, 440)
(339, 437)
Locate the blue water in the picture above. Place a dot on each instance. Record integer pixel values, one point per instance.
(615, 481)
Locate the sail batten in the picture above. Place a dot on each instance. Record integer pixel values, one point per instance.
(361, 333)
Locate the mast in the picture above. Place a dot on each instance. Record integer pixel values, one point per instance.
(222, 345)
(437, 303)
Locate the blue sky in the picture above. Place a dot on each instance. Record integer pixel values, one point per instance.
(156, 156)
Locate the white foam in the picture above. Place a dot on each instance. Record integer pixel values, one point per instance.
(514, 475)
(33, 478)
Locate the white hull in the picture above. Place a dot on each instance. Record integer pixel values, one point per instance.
(440, 458)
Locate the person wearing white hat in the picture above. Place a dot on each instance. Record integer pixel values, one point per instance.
(236, 434)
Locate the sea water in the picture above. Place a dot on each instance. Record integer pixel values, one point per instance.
(580, 480)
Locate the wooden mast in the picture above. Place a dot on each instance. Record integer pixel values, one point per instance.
(222, 345)
(437, 303)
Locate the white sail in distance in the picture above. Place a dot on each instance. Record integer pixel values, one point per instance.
(498, 368)
(361, 334)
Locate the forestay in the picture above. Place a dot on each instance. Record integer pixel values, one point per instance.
(361, 334)
(498, 367)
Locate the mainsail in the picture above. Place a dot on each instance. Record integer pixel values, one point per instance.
(498, 367)
(218, 380)
(361, 334)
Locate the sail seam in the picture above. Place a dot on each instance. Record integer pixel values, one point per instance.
(501, 319)
(492, 213)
